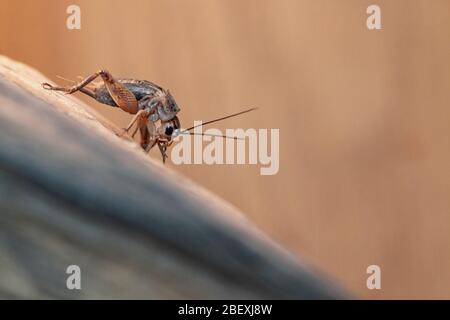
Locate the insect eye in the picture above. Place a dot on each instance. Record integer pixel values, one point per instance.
(168, 131)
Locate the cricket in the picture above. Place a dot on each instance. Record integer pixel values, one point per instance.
(148, 102)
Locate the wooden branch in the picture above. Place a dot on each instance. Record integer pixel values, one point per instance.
(73, 193)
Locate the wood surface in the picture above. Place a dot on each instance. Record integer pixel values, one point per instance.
(73, 193)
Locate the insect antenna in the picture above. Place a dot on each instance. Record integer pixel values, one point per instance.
(220, 119)
(211, 135)
(65, 79)
(187, 131)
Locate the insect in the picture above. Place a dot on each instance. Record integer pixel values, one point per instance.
(148, 102)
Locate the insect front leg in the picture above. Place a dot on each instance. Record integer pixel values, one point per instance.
(163, 148)
(147, 110)
(152, 137)
(148, 133)
(142, 115)
(150, 145)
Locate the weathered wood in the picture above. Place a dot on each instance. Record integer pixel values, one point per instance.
(71, 192)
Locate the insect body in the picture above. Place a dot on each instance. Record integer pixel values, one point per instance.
(146, 100)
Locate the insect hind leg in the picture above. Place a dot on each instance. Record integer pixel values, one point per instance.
(77, 87)
(122, 97)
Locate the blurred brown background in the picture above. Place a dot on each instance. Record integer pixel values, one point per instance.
(363, 115)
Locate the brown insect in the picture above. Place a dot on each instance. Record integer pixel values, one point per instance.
(146, 100)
